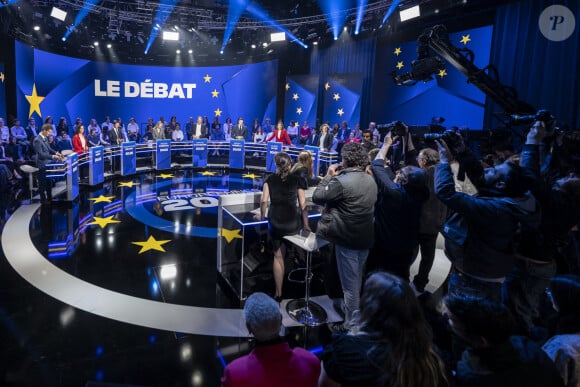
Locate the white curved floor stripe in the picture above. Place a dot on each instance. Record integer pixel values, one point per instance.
(41, 273)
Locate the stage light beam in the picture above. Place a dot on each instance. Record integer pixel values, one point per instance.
(389, 12)
(87, 7)
(360, 10)
(160, 18)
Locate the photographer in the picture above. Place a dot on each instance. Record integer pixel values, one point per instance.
(402, 150)
(538, 248)
(397, 215)
(479, 235)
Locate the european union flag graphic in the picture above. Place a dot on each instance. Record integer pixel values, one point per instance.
(301, 99)
(342, 98)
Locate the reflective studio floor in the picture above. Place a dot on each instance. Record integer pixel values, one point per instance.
(120, 289)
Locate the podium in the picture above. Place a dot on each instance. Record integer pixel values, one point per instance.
(303, 310)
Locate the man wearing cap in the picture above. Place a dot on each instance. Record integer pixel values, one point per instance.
(272, 362)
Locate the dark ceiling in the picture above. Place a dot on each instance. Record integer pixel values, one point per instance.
(127, 25)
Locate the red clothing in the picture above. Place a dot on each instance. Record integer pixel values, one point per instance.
(304, 131)
(280, 136)
(273, 365)
(78, 144)
(352, 140)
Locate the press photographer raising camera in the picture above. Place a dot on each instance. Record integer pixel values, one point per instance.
(479, 235)
(402, 151)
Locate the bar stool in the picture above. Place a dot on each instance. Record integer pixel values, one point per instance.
(30, 171)
(304, 310)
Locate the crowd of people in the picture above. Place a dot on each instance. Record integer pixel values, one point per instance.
(508, 314)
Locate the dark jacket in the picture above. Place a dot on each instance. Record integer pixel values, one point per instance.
(560, 212)
(434, 212)
(518, 362)
(349, 199)
(43, 151)
(479, 237)
(397, 211)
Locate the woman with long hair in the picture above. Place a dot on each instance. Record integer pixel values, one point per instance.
(389, 346)
(304, 170)
(284, 217)
(79, 140)
(280, 135)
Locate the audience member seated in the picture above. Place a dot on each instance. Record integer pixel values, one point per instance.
(94, 139)
(177, 134)
(64, 142)
(4, 132)
(390, 344)
(564, 347)
(493, 357)
(272, 362)
(14, 151)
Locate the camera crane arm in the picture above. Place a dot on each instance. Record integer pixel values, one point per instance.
(437, 39)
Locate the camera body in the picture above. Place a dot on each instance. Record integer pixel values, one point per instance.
(527, 119)
(451, 137)
(397, 128)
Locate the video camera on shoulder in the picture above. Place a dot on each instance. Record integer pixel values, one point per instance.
(527, 119)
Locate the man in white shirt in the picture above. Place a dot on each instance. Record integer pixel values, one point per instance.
(107, 124)
(132, 130)
(199, 129)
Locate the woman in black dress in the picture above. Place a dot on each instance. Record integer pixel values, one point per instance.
(304, 170)
(284, 217)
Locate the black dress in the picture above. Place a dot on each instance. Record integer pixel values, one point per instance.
(283, 214)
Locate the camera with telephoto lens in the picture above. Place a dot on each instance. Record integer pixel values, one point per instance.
(397, 128)
(451, 137)
(527, 119)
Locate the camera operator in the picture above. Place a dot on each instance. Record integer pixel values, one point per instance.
(538, 248)
(479, 235)
(397, 215)
(402, 151)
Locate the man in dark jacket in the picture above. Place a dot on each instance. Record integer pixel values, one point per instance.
(557, 193)
(397, 214)
(494, 358)
(349, 195)
(479, 235)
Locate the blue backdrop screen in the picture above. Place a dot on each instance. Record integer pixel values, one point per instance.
(50, 84)
(448, 95)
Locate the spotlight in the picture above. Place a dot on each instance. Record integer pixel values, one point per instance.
(58, 13)
(96, 44)
(190, 51)
(36, 28)
(345, 28)
(410, 13)
(221, 52)
(63, 38)
(170, 35)
(264, 44)
(109, 45)
(253, 46)
(178, 51)
(315, 43)
(277, 36)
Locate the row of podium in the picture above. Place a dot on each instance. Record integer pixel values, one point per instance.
(162, 155)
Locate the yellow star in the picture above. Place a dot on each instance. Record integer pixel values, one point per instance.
(299, 111)
(207, 78)
(215, 93)
(287, 86)
(336, 97)
(442, 73)
(103, 222)
(340, 112)
(102, 199)
(35, 100)
(218, 112)
(151, 244)
(326, 86)
(129, 184)
(398, 51)
(295, 97)
(2, 77)
(230, 235)
(249, 176)
(399, 65)
(207, 173)
(465, 38)
(166, 175)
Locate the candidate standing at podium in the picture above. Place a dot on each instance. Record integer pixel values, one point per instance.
(44, 155)
(240, 131)
(284, 217)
